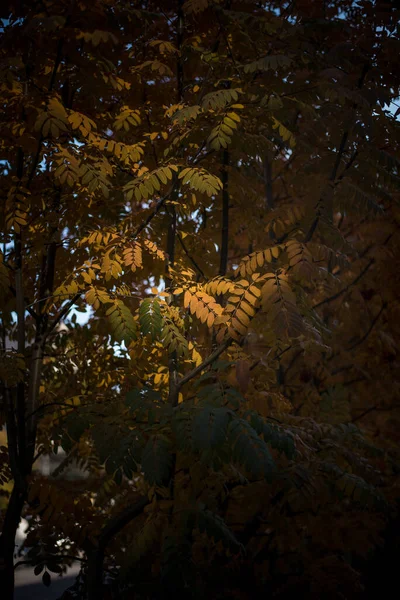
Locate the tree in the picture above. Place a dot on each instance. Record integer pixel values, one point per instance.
(214, 185)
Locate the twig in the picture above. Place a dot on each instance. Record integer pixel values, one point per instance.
(225, 217)
(156, 210)
(370, 328)
(329, 190)
(347, 287)
(208, 361)
(190, 257)
(63, 312)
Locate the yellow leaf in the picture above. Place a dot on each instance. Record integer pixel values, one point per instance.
(238, 326)
(193, 304)
(187, 298)
(203, 314)
(248, 309)
(275, 252)
(244, 318)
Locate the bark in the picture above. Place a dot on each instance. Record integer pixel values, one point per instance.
(7, 542)
(96, 553)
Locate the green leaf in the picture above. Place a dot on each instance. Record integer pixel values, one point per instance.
(122, 323)
(157, 460)
(182, 425)
(268, 63)
(250, 450)
(278, 438)
(216, 528)
(150, 318)
(210, 427)
(46, 579)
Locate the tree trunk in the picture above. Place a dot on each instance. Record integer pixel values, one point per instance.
(7, 543)
(94, 580)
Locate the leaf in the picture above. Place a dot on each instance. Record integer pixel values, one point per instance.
(150, 318)
(279, 302)
(210, 428)
(189, 113)
(286, 135)
(122, 323)
(46, 579)
(157, 460)
(268, 63)
(201, 181)
(220, 98)
(277, 437)
(250, 450)
(127, 118)
(216, 528)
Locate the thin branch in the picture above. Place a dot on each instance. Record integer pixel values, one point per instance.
(58, 557)
(118, 522)
(328, 191)
(370, 328)
(63, 312)
(269, 198)
(347, 287)
(190, 257)
(375, 408)
(155, 211)
(286, 166)
(64, 463)
(20, 388)
(27, 306)
(349, 164)
(208, 361)
(225, 216)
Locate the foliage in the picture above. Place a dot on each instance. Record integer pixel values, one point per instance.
(199, 293)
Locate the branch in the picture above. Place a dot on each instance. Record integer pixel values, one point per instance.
(20, 388)
(156, 210)
(375, 408)
(27, 307)
(370, 328)
(12, 438)
(59, 557)
(347, 287)
(338, 160)
(118, 522)
(64, 463)
(190, 257)
(269, 198)
(225, 216)
(213, 356)
(63, 312)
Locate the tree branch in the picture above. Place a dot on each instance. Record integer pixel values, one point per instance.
(370, 328)
(225, 216)
(328, 191)
(63, 312)
(347, 287)
(155, 211)
(190, 257)
(269, 199)
(118, 522)
(208, 361)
